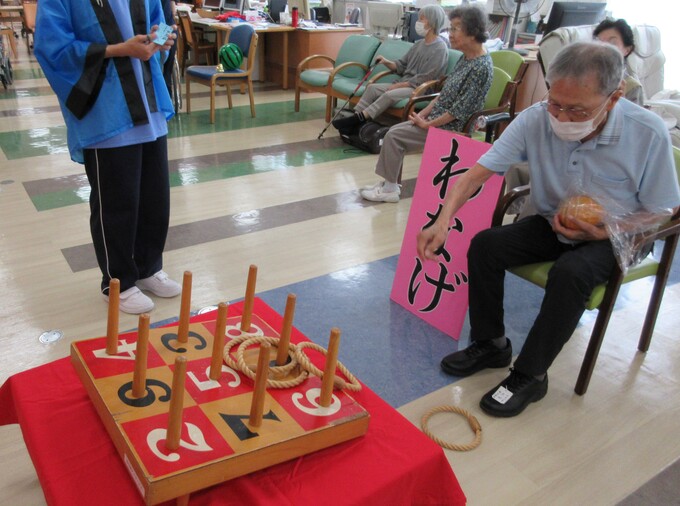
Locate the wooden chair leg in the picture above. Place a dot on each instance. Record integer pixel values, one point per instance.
(212, 103)
(228, 87)
(599, 330)
(297, 98)
(252, 98)
(670, 245)
(329, 108)
(187, 81)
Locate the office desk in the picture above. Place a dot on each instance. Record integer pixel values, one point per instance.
(77, 464)
(7, 15)
(286, 46)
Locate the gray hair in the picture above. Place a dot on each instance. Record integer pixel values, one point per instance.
(435, 15)
(473, 20)
(582, 59)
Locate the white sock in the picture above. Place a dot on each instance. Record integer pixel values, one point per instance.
(390, 187)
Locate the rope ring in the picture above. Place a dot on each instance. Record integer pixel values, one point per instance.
(472, 421)
(244, 341)
(276, 371)
(350, 384)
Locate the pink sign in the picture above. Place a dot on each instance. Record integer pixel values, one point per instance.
(437, 292)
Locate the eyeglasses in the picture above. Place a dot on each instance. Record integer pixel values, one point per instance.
(573, 113)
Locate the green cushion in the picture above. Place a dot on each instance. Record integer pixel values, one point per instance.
(454, 56)
(538, 275)
(357, 48)
(346, 86)
(507, 60)
(315, 77)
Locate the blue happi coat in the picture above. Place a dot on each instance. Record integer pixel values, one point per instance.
(99, 97)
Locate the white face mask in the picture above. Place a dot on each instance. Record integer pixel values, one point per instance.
(420, 28)
(571, 131)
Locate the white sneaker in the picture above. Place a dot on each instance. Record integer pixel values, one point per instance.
(373, 186)
(160, 284)
(377, 194)
(132, 301)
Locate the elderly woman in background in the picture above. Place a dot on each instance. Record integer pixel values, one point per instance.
(463, 94)
(425, 61)
(620, 34)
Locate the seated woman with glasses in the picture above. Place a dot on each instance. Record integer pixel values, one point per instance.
(620, 34)
(425, 61)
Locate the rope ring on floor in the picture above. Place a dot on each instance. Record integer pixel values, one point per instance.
(277, 371)
(351, 383)
(474, 425)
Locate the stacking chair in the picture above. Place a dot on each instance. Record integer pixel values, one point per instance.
(353, 60)
(344, 87)
(193, 43)
(496, 106)
(515, 66)
(403, 108)
(244, 37)
(604, 296)
(29, 15)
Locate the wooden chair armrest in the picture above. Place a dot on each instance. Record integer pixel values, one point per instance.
(379, 76)
(666, 230)
(410, 105)
(505, 201)
(301, 66)
(344, 66)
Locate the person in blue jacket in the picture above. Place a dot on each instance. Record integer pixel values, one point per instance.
(101, 60)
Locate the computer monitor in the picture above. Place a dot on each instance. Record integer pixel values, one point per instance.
(574, 14)
(385, 18)
(303, 8)
(233, 5)
(212, 5)
(276, 7)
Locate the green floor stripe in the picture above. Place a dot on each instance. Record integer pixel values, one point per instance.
(51, 140)
(16, 93)
(63, 198)
(32, 73)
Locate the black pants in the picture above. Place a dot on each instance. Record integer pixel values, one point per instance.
(577, 270)
(129, 209)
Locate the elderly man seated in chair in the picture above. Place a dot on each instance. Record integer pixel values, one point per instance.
(583, 132)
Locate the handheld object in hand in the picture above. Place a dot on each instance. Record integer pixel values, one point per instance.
(162, 33)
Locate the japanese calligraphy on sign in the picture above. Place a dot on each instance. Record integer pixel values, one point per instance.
(437, 292)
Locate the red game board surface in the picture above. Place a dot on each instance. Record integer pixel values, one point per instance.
(76, 461)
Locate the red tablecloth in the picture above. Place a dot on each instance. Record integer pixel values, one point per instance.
(76, 462)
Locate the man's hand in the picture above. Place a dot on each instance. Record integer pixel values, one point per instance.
(430, 240)
(584, 232)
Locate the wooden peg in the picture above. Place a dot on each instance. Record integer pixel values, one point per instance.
(218, 342)
(261, 375)
(176, 404)
(141, 352)
(183, 500)
(185, 309)
(329, 371)
(284, 340)
(112, 324)
(250, 297)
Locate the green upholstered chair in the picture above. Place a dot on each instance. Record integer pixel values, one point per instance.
(604, 296)
(245, 37)
(401, 108)
(353, 60)
(497, 103)
(344, 87)
(513, 63)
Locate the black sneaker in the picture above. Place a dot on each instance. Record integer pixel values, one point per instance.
(479, 355)
(512, 395)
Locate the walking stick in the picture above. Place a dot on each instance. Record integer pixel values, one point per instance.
(368, 73)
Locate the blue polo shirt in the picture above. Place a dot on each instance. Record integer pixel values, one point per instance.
(629, 164)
